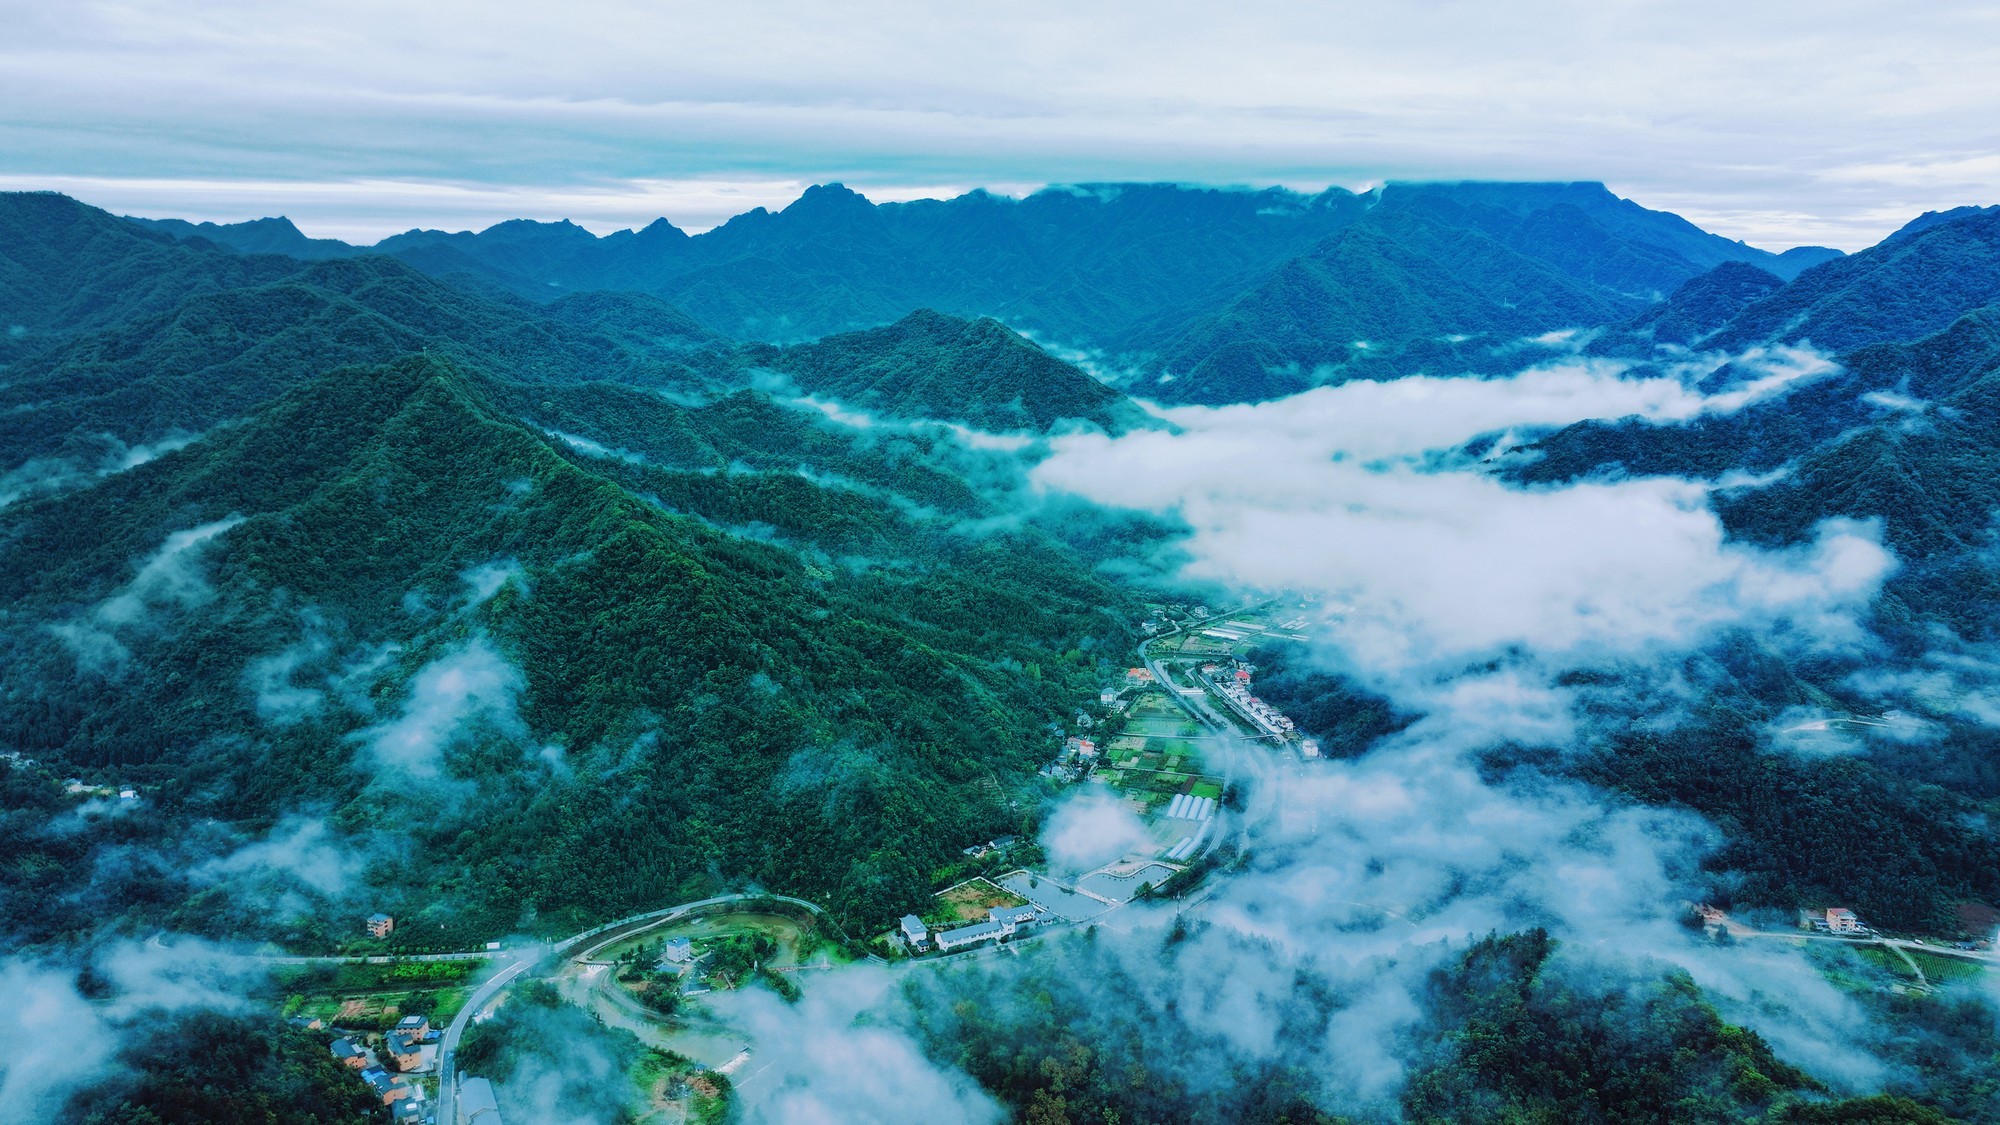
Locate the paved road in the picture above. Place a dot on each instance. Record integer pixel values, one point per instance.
(1902, 946)
(540, 957)
(374, 959)
(482, 996)
(1198, 709)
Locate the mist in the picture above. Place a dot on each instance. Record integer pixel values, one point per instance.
(169, 579)
(467, 685)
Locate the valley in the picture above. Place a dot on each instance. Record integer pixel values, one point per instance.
(1435, 658)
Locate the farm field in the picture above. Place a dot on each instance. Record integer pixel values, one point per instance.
(374, 997)
(969, 901)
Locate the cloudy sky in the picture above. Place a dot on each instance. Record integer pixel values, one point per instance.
(1780, 123)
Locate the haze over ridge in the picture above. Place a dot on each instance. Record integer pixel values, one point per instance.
(1831, 126)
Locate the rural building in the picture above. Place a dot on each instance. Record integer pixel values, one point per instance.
(1108, 696)
(1080, 747)
(418, 1028)
(476, 1105)
(389, 1087)
(380, 925)
(1138, 677)
(400, 1052)
(915, 934)
(348, 1052)
(1012, 915)
(1841, 920)
(677, 951)
(1309, 747)
(1001, 921)
(963, 936)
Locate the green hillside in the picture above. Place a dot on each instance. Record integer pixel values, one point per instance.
(694, 708)
(1379, 286)
(928, 365)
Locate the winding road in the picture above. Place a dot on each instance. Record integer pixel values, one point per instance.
(522, 960)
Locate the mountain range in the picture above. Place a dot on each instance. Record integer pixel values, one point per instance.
(540, 577)
(1199, 295)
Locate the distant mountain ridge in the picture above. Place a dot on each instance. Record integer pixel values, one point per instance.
(202, 335)
(1079, 262)
(257, 236)
(1444, 278)
(1234, 293)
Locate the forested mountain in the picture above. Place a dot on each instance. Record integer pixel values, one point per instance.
(1078, 263)
(764, 619)
(661, 691)
(66, 267)
(1435, 277)
(486, 580)
(928, 365)
(1695, 311)
(1899, 430)
(257, 236)
(109, 380)
(1247, 291)
(1901, 289)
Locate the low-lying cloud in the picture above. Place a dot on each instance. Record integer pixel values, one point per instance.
(1360, 494)
(1090, 828)
(469, 687)
(171, 578)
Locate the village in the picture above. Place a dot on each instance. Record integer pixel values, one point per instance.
(1163, 740)
(1149, 743)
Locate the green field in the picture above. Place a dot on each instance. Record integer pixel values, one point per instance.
(374, 997)
(1937, 969)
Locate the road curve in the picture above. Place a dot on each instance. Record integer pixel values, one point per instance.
(483, 995)
(541, 955)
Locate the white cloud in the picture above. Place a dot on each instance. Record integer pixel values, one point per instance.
(835, 1062)
(56, 1041)
(168, 579)
(301, 849)
(1426, 560)
(469, 685)
(486, 579)
(363, 118)
(1090, 828)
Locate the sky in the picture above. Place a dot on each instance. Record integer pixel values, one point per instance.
(1781, 123)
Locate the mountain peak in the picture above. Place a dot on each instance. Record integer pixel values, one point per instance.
(524, 229)
(661, 229)
(821, 200)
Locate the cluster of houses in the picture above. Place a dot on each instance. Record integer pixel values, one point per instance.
(1175, 616)
(409, 1047)
(1234, 686)
(1001, 921)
